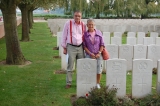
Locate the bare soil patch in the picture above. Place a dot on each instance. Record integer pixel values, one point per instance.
(26, 63)
(73, 98)
(55, 48)
(56, 57)
(59, 72)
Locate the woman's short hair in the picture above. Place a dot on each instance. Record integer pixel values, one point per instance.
(90, 20)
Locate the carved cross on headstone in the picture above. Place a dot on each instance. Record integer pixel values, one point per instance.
(116, 83)
(142, 84)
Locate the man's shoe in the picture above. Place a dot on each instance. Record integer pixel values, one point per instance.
(68, 86)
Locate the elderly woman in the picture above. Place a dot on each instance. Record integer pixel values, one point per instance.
(93, 45)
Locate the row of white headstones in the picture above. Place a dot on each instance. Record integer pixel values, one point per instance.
(116, 76)
(113, 25)
(140, 59)
(147, 50)
(127, 53)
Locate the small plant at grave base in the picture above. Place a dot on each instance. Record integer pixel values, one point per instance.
(103, 96)
(126, 101)
(150, 100)
(99, 97)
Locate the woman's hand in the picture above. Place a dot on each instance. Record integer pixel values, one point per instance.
(97, 55)
(92, 56)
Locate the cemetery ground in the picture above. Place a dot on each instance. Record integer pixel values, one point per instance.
(40, 83)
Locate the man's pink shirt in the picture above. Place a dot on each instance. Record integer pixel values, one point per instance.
(76, 33)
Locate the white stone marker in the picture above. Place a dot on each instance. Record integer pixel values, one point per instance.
(60, 47)
(158, 78)
(105, 28)
(64, 61)
(106, 37)
(140, 36)
(116, 75)
(126, 52)
(154, 35)
(151, 28)
(140, 28)
(117, 34)
(116, 40)
(140, 51)
(98, 27)
(141, 78)
(118, 28)
(145, 29)
(86, 75)
(131, 41)
(154, 54)
(148, 40)
(59, 34)
(157, 40)
(112, 50)
(131, 34)
(133, 29)
(157, 29)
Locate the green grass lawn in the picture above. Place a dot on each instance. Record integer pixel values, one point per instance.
(37, 84)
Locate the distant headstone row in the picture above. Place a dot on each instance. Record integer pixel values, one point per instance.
(132, 38)
(113, 25)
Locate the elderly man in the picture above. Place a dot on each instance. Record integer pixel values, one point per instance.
(72, 39)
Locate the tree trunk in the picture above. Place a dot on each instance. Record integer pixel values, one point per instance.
(32, 16)
(30, 19)
(14, 54)
(25, 23)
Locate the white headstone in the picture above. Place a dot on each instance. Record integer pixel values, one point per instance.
(86, 75)
(157, 40)
(116, 75)
(59, 34)
(117, 34)
(64, 61)
(126, 52)
(148, 41)
(140, 36)
(131, 34)
(157, 27)
(105, 28)
(154, 35)
(151, 28)
(141, 78)
(133, 28)
(154, 54)
(112, 50)
(98, 27)
(116, 40)
(118, 28)
(145, 29)
(158, 78)
(140, 51)
(106, 37)
(131, 41)
(140, 28)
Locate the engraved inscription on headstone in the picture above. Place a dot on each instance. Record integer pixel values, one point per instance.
(117, 66)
